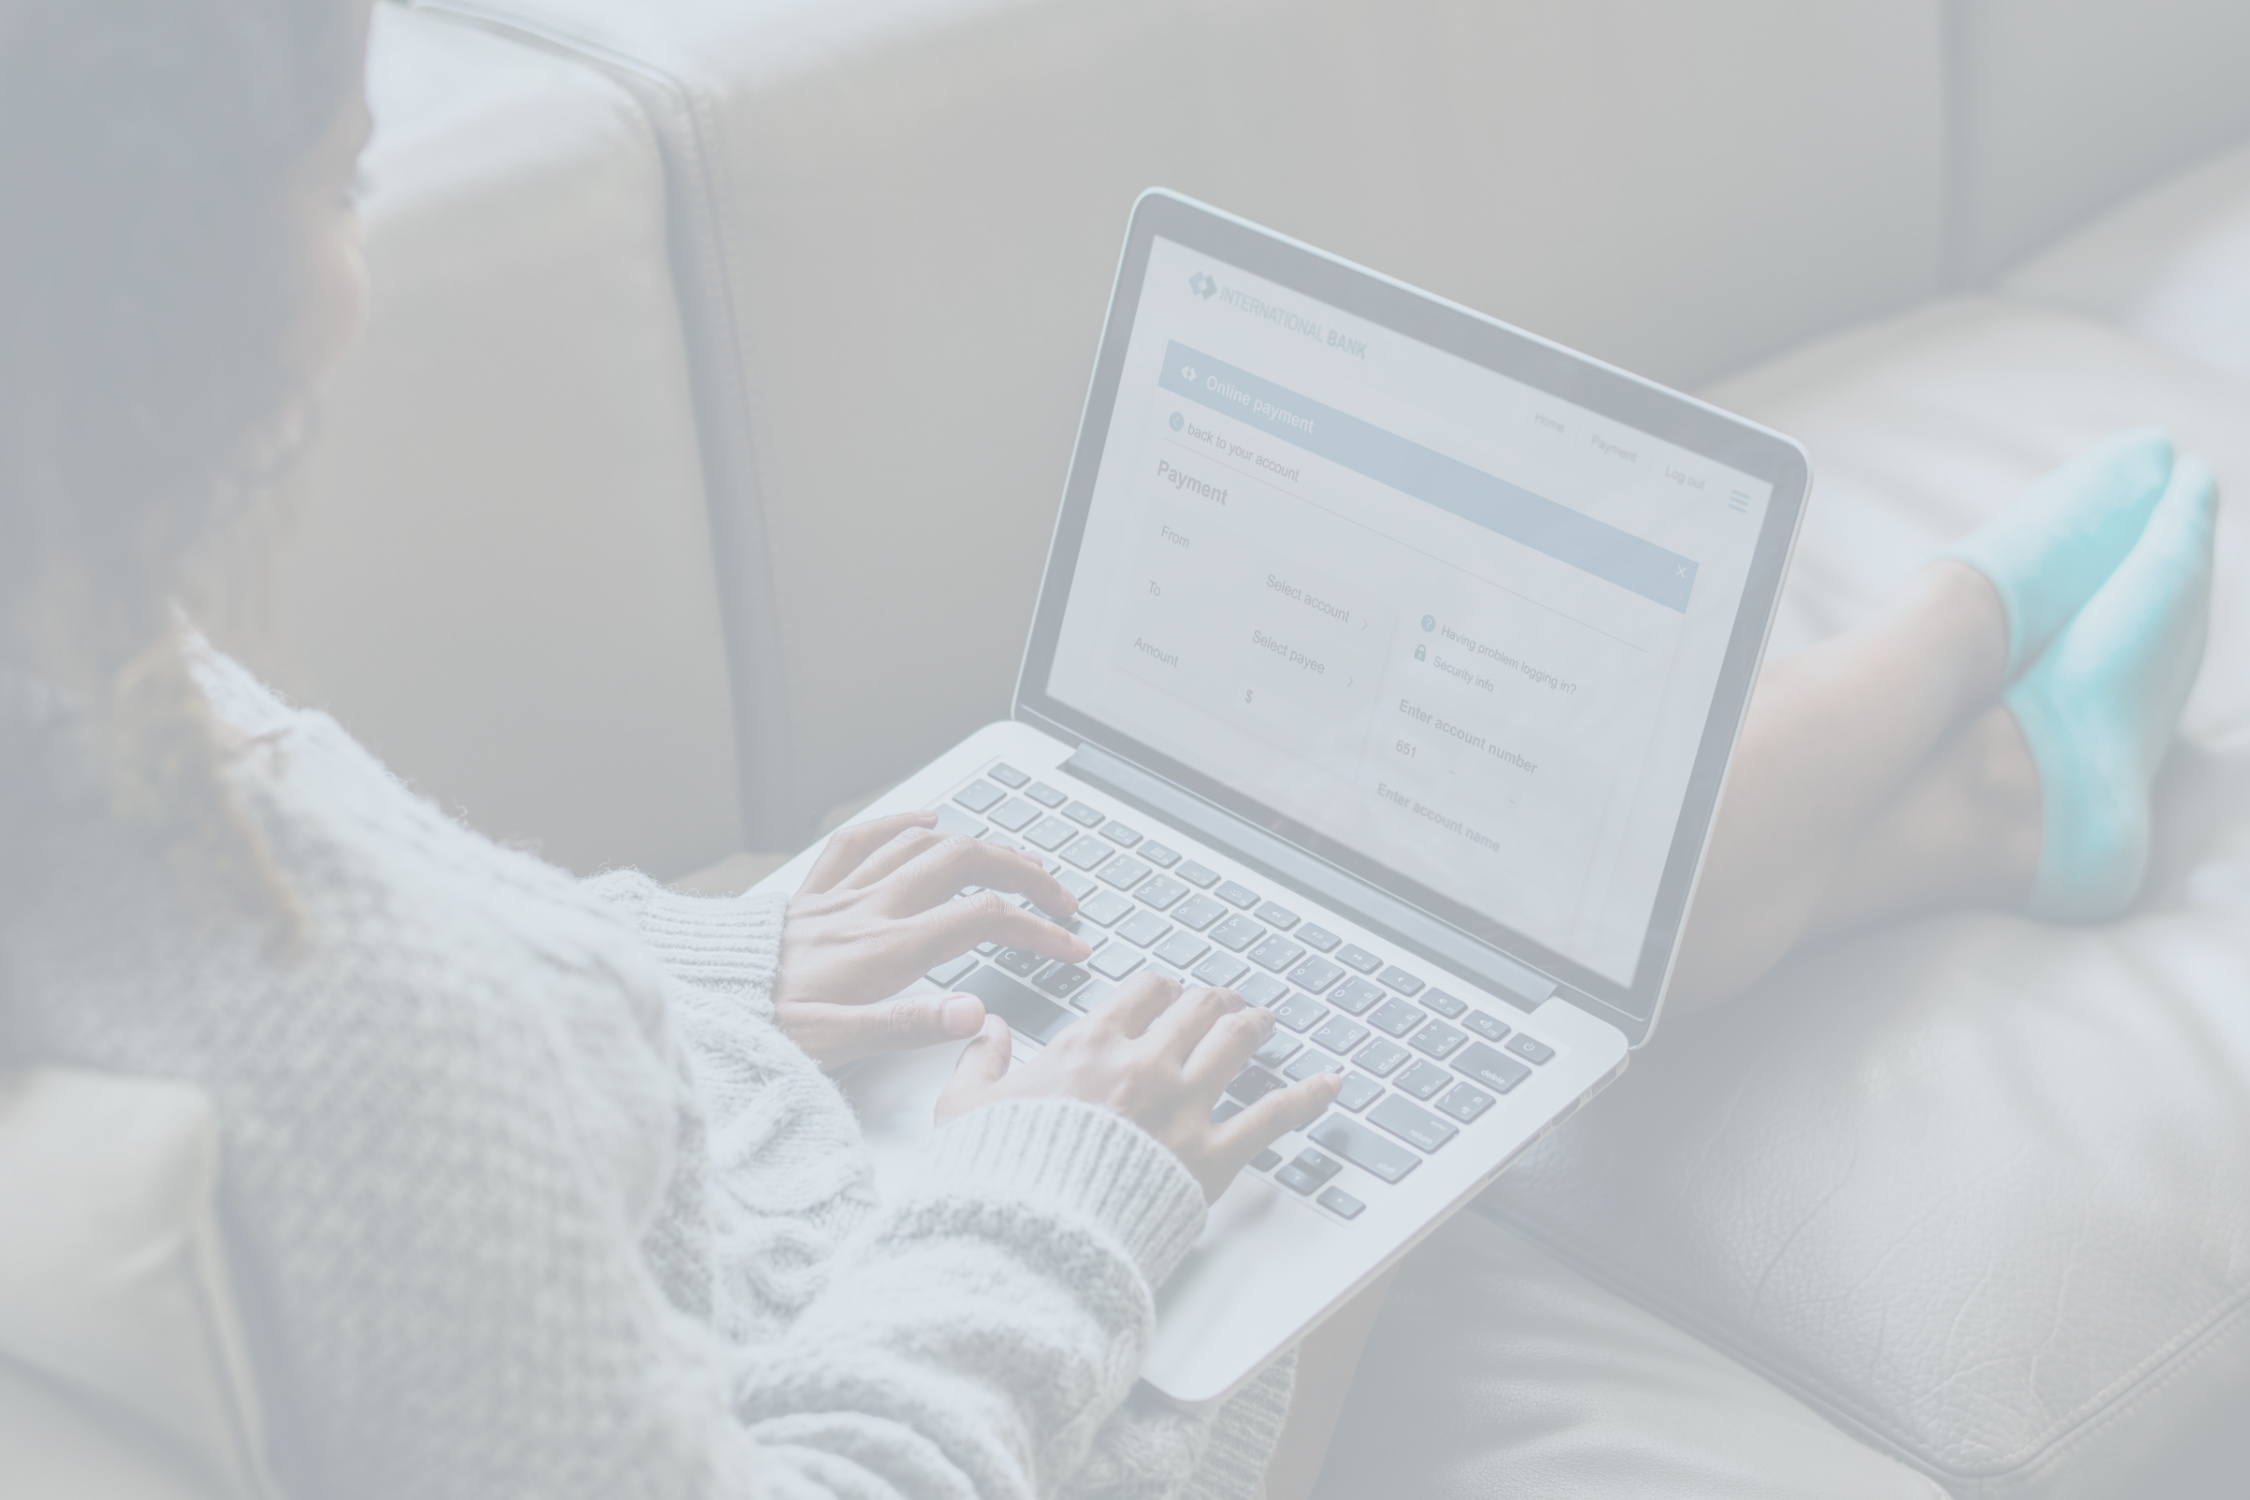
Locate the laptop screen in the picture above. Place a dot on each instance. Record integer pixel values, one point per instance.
(1464, 629)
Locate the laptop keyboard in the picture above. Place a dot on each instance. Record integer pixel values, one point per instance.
(1419, 1065)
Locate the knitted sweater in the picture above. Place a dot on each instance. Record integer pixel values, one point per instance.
(530, 1197)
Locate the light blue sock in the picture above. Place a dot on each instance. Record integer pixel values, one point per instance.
(2099, 708)
(2048, 552)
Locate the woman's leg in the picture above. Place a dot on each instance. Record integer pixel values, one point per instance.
(1836, 734)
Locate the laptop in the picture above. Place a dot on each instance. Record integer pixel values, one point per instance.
(1386, 669)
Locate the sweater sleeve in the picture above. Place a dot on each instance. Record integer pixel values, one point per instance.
(726, 952)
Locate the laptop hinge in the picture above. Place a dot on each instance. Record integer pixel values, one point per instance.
(1406, 925)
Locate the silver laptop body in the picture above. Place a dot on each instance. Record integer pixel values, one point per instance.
(1386, 669)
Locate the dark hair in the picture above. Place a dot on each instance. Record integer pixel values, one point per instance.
(150, 286)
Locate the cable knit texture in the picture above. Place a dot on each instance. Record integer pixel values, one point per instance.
(532, 1198)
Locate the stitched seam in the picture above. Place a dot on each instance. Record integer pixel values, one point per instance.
(758, 722)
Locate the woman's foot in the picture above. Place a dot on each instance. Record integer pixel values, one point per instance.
(2046, 554)
(2098, 709)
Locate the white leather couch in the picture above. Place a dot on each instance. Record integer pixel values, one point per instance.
(695, 474)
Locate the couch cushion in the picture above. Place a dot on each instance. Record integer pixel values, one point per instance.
(2061, 107)
(123, 1371)
(904, 216)
(501, 579)
(1498, 1371)
(1977, 1188)
(2172, 265)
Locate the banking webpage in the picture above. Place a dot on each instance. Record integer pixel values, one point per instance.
(1467, 629)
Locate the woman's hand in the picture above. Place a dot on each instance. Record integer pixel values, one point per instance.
(882, 907)
(1160, 1058)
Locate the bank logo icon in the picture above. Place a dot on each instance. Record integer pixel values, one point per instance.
(1203, 286)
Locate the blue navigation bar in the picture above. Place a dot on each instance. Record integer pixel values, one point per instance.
(1591, 546)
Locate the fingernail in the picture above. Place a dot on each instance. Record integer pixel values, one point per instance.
(963, 1015)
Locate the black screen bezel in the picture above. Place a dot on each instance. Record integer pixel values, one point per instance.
(1663, 414)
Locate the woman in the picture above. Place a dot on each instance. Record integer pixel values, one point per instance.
(537, 1186)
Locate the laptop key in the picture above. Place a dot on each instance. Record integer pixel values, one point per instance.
(1051, 834)
(1529, 1050)
(1319, 939)
(1015, 815)
(986, 950)
(1355, 996)
(1033, 1015)
(1276, 953)
(951, 820)
(1340, 1035)
(1405, 983)
(1103, 908)
(1162, 891)
(1197, 876)
(1085, 815)
(1423, 1080)
(1181, 949)
(1225, 1110)
(1315, 974)
(1143, 927)
(1261, 990)
(1354, 956)
(1116, 960)
(1044, 795)
(1124, 872)
(1341, 1203)
(1381, 1058)
(1495, 1070)
(1252, 1084)
(1297, 1180)
(1078, 885)
(1491, 1028)
(1061, 981)
(1220, 970)
(1236, 933)
(978, 795)
(1299, 1012)
(1163, 856)
(1266, 1160)
(1465, 1101)
(1363, 1148)
(1276, 1050)
(1359, 1091)
(1086, 852)
(1198, 912)
(1395, 1018)
(1239, 895)
(1021, 961)
(1314, 1061)
(1412, 1124)
(1123, 834)
(1275, 915)
(1444, 1004)
(1007, 775)
(1317, 1165)
(946, 973)
(1438, 1039)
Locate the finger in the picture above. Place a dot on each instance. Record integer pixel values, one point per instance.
(1226, 1049)
(903, 1025)
(955, 927)
(936, 871)
(1137, 1002)
(983, 1063)
(1182, 1028)
(881, 862)
(851, 846)
(1273, 1117)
